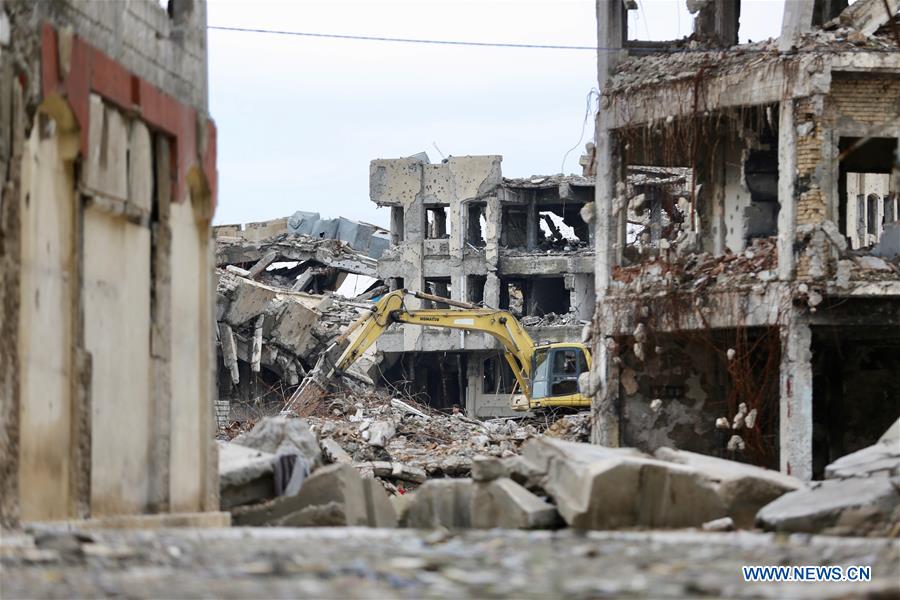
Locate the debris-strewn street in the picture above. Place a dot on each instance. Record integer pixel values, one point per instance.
(366, 563)
(356, 366)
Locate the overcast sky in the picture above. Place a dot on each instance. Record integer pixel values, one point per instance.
(299, 118)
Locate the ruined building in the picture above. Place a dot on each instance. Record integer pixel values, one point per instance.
(108, 170)
(459, 229)
(757, 315)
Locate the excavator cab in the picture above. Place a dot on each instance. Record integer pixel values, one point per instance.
(555, 370)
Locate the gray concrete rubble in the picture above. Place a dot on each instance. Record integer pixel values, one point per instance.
(245, 475)
(279, 314)
(607, 488)
(335, 495)
(860, 495)
(364, 562)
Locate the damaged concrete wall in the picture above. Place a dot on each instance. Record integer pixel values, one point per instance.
(488, 235)
(89, 418)
(823, 100)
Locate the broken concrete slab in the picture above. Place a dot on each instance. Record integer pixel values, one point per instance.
(488, 468)
(242, 299)
(332, 495)
(245, 475)
(293, 326)
(333, 452)
(503, 503)
(283, 435)
(379, 433)
(441, 503)
(881, 459)
(743, 488)
(607, 488)
(292, 442)
(855, 506)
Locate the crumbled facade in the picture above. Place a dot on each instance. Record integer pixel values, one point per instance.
(460, 230)
(278, 307)
(754, 315)
(107, 163)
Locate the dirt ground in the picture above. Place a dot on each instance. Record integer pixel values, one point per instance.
(370, 563)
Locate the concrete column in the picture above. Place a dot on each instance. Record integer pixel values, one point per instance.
(492, 217)
(611, 34)
(796, 392)
(787, 176)
(396, 225)
(719, 20)
(797, 19)
(531, 226)
(492, 290)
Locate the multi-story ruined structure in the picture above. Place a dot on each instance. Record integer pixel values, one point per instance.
(757, 316)
(107, 160)
(461, 230)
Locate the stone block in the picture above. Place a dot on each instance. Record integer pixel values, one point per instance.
(441, 503)
(503, 503)
(283, 435)
(245, 475)
(333, 495)
(294, 326)
(607, 488)
(881, 459)
(855, 506)
(248, 299)
(333, 452)
(488, 468)
(743, 488)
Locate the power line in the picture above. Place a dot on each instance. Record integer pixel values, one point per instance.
(373, 38)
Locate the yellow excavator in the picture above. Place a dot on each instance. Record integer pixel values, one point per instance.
(546, 374)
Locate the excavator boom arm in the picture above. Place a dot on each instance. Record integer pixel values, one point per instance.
(500, 324)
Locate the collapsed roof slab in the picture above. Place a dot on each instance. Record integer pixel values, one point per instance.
(650, 89)
(331, 253)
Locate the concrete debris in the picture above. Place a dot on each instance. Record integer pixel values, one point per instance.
(333, 495)
(278, 334)
(488, 468)
(723, 524)
(860, 496)
(505, 504)
(292, 443)
(607, 488)
(379, 433)
(371, 240)
(743, 489)
(245, 475)
(441, 503)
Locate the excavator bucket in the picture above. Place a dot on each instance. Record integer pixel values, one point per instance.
(315, 385)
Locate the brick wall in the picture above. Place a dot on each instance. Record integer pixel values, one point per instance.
(870, 100)
(169, 52)
(811, 203)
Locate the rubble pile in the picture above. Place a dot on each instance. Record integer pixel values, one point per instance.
(403, 443)
(266, 326)
(270, 327)
(552, 319)
(859, 496)
(672, 68)
(694, 272)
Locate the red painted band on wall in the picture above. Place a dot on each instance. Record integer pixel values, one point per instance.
(92, 71)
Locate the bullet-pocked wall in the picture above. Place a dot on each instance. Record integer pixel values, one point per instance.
(109, 182)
